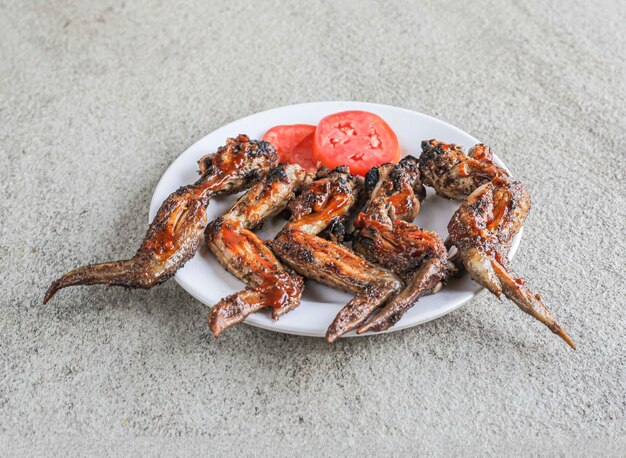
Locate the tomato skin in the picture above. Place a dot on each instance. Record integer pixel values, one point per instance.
(358, 139)
(302, 154)
(286, 137)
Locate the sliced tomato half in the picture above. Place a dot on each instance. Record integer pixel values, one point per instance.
(302, 154)
(358, 139)
(286, 137)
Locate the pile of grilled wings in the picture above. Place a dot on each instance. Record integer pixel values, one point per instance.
(391, 262)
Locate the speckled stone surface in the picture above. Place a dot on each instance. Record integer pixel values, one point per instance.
(97, 98)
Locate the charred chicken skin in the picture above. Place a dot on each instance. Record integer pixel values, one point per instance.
(385, 235)
(245, 255)
(326, 202)
(453, 174)
(492, 213)
(175, 233)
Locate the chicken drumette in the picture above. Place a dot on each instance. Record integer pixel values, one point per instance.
(326, 203)
(175, 233)
(245, 255)
(483, 227)
(453, 174)
(385, 235)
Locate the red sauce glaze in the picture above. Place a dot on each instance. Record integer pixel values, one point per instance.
(487, 223)
(165, 242)
(403, 239)
(484, 169)
(321, 192)
(278, 288)
(331, 207)
(414, 241)
(462, 168)
(480, 153)
(254, 213)
(225, 164)
(403, 202)
(500, 211)
(280, 294)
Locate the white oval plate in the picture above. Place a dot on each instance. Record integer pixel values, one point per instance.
(207, 281)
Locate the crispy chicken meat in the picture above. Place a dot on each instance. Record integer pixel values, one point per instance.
(246, 256)
(175, 233)
(385, 235)
(453, 174)
(482, 229)
(326, 203)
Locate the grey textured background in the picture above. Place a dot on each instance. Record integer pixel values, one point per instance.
(97, 98)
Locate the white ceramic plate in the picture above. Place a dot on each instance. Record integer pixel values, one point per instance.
(207, 281)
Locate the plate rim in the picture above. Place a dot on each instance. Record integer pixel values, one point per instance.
(250, 320)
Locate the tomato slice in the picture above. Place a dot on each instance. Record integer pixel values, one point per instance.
(286, 138)
(302, 154)
(358, 139)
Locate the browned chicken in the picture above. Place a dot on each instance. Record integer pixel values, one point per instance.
(326, 202)
(482, 229)
(396, 193)
(385, 235)
(454, 175)
(245, 255)
(175, 233)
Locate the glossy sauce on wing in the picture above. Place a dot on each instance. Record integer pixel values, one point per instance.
(166, 242)
(404, 203)
(462, 170)
(336, 206)
(401, 246)
(277, 286)
(224, 166)
(319, 204)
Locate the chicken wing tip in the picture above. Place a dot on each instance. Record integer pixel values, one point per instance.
(52, 290)
(332, 337)
(562, 333)
(214, 325)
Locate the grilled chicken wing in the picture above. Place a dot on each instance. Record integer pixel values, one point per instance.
(482, 229)
(385, 235)
(242, 253)
(175, 233)
(326, 202)
(454, 175)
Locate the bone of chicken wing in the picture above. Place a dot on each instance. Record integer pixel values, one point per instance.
(325, 202)
(385, 235)
(175, 233)
(482, 229)
(454, 175)
(245, 255)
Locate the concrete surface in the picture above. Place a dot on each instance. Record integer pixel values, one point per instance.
(97, 98)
